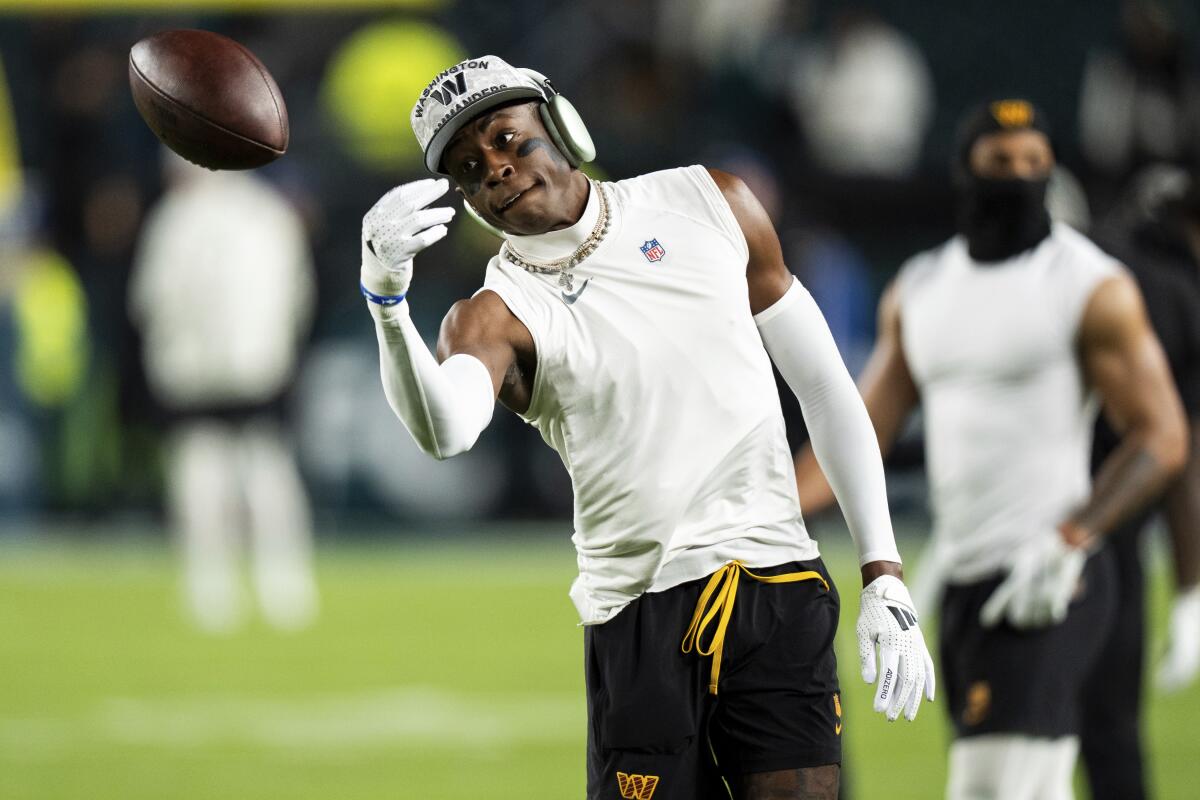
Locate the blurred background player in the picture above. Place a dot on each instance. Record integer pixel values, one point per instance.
(1139, 101)
(43, 353)
(222, 292)
(634, 324)
(1005, 334)
(1156, 234)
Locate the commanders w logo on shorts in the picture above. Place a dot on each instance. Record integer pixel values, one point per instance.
(637, 787)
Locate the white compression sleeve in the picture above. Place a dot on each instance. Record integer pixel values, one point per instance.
(799, 342)
(444, 406)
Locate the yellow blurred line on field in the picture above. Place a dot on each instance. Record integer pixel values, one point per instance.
(102, 6)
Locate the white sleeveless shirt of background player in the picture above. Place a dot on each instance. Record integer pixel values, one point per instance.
(655, 390)
(993, 350)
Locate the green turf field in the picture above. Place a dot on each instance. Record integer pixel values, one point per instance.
(436, 671)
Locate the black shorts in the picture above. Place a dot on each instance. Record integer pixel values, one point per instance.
(654, 728)
(1004, 680)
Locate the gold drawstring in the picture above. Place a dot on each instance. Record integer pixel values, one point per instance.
(724, 582)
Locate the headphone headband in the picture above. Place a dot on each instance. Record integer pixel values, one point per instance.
(547, 88)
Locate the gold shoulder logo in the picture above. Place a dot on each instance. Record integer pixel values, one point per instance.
(1012, 113)
(637, 787)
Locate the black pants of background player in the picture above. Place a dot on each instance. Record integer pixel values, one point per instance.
(1003, 680)
(1110, 737)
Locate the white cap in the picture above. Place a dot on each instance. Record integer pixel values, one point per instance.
(461, 93)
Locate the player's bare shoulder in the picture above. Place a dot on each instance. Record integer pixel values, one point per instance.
(766, 273)
(482, 321)
(1114, 310)
(741, 199)
(485, 327)
(726, 181)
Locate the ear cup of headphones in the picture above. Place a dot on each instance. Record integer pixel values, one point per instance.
(563, 123)
(569, 129)
(487, 226)
(555, 135)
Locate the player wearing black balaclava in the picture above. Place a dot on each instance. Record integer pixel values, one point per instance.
(1008, 335)
(999, 216)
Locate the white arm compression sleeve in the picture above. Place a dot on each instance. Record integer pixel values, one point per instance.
(799, 342)
(444, 406)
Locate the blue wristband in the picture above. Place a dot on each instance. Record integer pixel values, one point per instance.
(381, 299)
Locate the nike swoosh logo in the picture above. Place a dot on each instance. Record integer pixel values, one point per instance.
(570, 299)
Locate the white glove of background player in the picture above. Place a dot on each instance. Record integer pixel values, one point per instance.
(1042, 578)
(891, 647)
(398, 227)
(1182, 661)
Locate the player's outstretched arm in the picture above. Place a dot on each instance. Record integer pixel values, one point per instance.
(891, 646)
(888, 392)
(444, 406)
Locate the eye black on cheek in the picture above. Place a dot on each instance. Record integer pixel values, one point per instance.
(529, 145)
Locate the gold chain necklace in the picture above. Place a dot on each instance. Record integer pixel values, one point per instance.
(563, 266)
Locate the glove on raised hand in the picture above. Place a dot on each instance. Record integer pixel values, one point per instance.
(398, 227)
(892, 648)
(1042, 578)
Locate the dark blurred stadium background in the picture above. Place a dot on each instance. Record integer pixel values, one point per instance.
(841, 117)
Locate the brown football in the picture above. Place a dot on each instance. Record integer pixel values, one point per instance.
(208, 99)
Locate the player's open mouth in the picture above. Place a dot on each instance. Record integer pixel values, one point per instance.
(511, 201)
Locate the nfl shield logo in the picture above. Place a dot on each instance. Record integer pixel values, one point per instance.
(653, 251)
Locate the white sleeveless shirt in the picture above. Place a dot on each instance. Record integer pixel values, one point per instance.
(654, 388)
(1008, 417)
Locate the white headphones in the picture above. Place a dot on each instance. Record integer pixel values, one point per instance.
(563, 123)
(567, 131)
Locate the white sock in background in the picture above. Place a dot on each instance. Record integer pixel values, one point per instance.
(280, 528)
(1012, 767)
(203, 509)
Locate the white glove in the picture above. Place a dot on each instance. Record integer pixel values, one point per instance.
(887, 630)
(1042, 578)
(398, 227)
(1182, 661)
